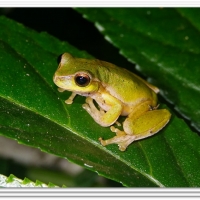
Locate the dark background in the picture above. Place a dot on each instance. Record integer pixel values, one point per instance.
(68, 25)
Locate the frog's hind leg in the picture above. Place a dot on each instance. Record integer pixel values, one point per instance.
(121, 138)
(144, 126)
(147, 124)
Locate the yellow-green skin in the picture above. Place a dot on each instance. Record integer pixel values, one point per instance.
(118, 92)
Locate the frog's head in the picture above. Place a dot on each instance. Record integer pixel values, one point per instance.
(74, 75)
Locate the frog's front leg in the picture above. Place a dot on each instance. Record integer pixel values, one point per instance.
(71, 98)
(144, 126)
(100, 116)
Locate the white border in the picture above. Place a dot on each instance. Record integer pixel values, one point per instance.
(100, 192)
(99, 3)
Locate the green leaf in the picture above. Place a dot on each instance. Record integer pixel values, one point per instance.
(34, 113)
(164, 43)
(13, 181)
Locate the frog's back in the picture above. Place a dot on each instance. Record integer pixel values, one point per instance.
(125, 85)
(119, 82)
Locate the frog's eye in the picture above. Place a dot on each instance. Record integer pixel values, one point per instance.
(82, 79)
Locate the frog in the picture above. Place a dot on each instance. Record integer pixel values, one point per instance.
(111, 92)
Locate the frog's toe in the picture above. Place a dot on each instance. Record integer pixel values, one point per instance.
(103, 142)
(68, 101)
(86, 107)
(117, 131)
(122, 141)
(89, 100)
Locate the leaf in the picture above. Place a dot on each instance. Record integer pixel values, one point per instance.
(164, 43)
(13, 181)
(34, 113)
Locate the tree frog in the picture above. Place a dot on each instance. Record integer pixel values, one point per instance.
(118, 92)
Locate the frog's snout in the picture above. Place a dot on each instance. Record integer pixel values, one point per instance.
(58, 79)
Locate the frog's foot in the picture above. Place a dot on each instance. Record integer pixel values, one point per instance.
(91, 108)
(117, 131)
(122, 141)
(99, 115)
(93, 111)
(117, 123)
(71, 98)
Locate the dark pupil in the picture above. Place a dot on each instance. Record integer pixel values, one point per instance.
(81, 80)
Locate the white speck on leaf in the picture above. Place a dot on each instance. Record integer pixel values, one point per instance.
(148, 12)
(88, 165)
(99, 26)
(186, 37)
